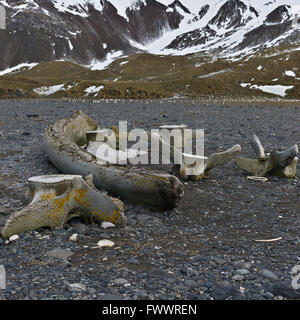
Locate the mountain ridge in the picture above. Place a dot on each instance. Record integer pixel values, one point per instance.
(84, 31)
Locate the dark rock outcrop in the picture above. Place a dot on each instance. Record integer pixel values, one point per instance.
(40, 32)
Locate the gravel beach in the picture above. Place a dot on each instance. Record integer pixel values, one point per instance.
(204, 249)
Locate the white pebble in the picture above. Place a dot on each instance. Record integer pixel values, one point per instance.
(13, 238)
(106, 224)
(73, 237)
(105, 243)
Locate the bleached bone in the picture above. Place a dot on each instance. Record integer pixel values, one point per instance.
(277, 163)
(63, 142)
(201, 166)
(219, 158)
(107, 155)
(110, 136)
(258, 148)
(58, 198)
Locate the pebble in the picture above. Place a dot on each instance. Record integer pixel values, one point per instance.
(238, 277)
(191, 283)
(224, 292)
(59, 253)
(74, 237)
(143, 218)
(105, 243)
(242, 272)
(269, 274)
(268, 295)
(133, 261)
(77, 287)
(120, 281)
(106, 224)
(80, 227)
(242, 264)
(220, 261)
(155, 273)
(13, 238)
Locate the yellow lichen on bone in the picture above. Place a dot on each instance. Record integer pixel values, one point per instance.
(49, 210)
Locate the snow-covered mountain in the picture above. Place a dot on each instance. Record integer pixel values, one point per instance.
(87, 31)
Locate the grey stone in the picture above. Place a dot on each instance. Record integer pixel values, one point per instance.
(191, 283)
(77, 287)
(155, 273)
(224, 292)
(120, 281)
(143, 218)
(133, 261)
(242, 272)
(80, 227)
(208, 284)
(269, 274)
(220, 260)
(268, 295)
(238, 277)
(242, 264)
(59, 253)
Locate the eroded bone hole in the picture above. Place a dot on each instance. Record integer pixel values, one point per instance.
(61, 189)
(76, 220)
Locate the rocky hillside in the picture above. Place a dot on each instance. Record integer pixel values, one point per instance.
(82, 31)
(88, 31)
(150, 48)
(272, 73)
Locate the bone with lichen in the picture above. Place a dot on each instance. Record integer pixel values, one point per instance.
(57, 199)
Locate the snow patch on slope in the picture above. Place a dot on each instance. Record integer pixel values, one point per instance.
(18, 68)
(123, 5)
(110, 57)
(278, 90)
(78, 7)
(46, 91)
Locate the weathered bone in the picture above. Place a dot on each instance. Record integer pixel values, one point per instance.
(258, 148)
(277, 163)
(105, 154)
(214, 160)
(109, 136)
(58, 198)
(283, 158)
(199, 169)
(217, 159)
(287, 172)
(63, 141)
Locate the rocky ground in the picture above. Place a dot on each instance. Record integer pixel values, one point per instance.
(204, 249)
